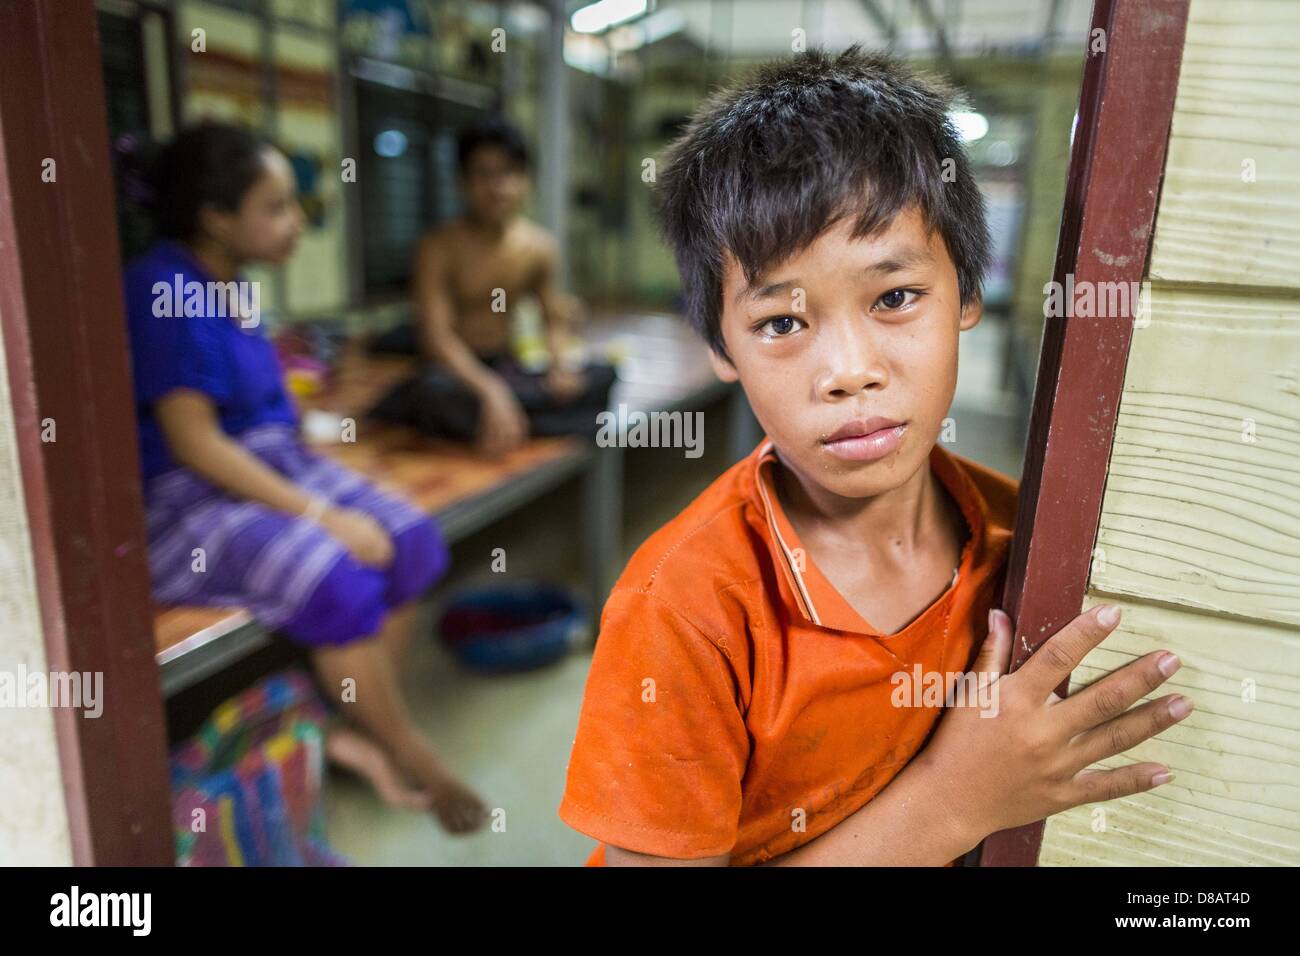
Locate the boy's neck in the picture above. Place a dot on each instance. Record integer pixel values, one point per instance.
(491, 229)
(891, 526)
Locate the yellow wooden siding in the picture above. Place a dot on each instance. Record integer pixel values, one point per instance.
(1235, 799)
(1236, 116)
(1199, 537)
(1202, 504)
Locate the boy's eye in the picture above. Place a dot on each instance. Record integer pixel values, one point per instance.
(779, 327)
(897, 298)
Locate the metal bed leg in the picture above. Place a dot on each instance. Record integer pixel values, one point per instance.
(603, 531)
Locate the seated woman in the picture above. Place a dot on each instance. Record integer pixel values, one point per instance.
(239, 511)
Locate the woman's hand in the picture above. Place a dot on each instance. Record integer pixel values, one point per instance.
(362, 535)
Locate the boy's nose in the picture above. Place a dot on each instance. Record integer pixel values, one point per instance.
(853, 364)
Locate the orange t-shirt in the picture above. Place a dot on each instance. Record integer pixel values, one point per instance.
(736, 701)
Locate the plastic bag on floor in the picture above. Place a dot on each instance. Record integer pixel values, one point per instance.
(246, 789)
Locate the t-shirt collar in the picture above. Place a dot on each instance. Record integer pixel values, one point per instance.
(807, 589)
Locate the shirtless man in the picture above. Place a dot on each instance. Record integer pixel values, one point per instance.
(471, 271)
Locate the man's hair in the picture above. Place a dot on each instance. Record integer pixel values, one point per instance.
(494, 131)
(765, 167)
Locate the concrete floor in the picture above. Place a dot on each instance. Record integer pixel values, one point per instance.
(510, 736)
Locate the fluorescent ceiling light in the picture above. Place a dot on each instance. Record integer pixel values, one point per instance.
(650, 30)
(600, 16)
(970, 125)
(587, 53)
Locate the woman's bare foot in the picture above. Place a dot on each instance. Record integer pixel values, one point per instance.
(458, 808)
(356, 752)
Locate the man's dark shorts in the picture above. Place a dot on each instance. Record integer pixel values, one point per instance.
(436, 402)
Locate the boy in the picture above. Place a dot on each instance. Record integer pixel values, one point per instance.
(748, 700)
(469, 273)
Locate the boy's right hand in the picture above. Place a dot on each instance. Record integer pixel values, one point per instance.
(502, 424)
(1030, 759)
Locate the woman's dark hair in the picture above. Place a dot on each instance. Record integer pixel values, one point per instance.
(765, 167)
(494, 131)
(212, 163)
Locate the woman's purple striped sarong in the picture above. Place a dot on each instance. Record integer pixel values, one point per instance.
(206, 547)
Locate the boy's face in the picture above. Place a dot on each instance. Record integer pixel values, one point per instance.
(495, 185)
(844, 332)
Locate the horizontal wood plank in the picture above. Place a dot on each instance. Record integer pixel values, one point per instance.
(1230, 202)
(1202, 504)
(1235, 797)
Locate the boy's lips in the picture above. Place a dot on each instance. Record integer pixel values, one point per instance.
(865, 439)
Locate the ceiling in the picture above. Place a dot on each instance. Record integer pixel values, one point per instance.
(745, 29)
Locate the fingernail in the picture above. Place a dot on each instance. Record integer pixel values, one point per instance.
(1108, 616)
(1168, 663)
(991, 619)
(1179, 708)
(1164, 776)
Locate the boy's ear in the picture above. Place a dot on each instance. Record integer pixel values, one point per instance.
(723, 368)
(971, 313)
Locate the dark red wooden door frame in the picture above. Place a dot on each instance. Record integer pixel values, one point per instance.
(61, 315)
(1112, 192)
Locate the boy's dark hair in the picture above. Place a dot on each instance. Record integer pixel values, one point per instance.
(494, 131)
(211, 163)
(766, 166)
